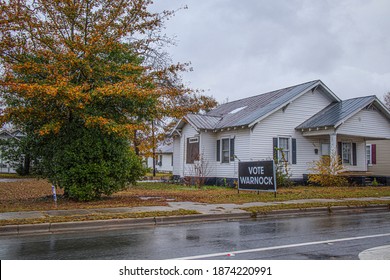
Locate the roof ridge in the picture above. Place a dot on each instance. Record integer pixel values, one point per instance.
(272, 91)
(360, 97)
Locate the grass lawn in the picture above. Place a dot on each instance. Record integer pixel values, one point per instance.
(33, 194)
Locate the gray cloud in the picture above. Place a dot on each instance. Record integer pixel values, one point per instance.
(242, 48)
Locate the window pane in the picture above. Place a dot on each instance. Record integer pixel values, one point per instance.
(368, 154)
(284, 145)
(225, 144)
(347, 153)
(325, 149)
(225, 150)
(225, 156)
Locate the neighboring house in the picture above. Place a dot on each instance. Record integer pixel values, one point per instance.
(6, 134)
(307, 120)
(378, 157)
(164, 159)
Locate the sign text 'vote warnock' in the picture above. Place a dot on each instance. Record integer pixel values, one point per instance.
(256, 175)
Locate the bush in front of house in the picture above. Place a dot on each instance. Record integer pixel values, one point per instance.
(326, 172)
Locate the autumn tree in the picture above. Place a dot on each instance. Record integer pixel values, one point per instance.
(79, 77)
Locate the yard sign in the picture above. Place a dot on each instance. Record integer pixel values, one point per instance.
(257, 175)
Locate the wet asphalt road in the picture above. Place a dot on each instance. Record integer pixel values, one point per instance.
(301, 238)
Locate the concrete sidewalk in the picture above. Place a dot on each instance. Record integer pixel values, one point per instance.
(223, 211)
(202, 208)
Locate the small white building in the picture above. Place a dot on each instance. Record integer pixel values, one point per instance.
(164, 159)
(307, 120)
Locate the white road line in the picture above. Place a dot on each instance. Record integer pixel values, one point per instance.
(281, 247)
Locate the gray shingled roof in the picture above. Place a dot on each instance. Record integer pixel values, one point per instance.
(247, 111)
(336, 113)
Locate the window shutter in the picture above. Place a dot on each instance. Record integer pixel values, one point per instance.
(354, 154)
(218, 150)
(232, 149)
(294, 150)
(373, 153)
(275, 145)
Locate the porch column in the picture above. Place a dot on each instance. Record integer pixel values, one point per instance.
(333, 148)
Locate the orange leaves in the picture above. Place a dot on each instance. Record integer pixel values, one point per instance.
(97, 63)
(110, 126)
(50, 128)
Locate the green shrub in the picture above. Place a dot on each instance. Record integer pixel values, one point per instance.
(88, 164)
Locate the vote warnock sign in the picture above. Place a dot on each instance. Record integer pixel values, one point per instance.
(257, 175)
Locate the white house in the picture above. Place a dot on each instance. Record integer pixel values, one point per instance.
(164, 159)
(306, 120)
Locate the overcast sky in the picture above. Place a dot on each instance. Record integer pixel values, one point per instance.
(240, 48)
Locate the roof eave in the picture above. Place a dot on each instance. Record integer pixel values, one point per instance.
(356, 112)
(330, 92)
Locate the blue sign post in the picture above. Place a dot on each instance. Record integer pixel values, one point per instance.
(53, 190)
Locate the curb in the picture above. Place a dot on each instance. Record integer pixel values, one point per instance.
(49, 228)
(333, 210)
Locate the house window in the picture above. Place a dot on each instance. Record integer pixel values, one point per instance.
(284, 146)
(347, 153)
(192, 150)
(368, 154)
(225, 150)
(285, 149)
(325, 149)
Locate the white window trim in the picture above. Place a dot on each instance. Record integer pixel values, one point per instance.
(289, 146)
(221, 150)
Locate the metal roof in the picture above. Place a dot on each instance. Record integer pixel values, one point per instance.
(247, 111)
(336, 113)
(165, 149)
(256, 107)
(203, 121)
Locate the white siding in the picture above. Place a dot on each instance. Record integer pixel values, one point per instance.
(164, 166)
(283, 123)
(176, 156)
(187, 131)
(241, 150)
(166, 163)
(208, 150)
(366, 123)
